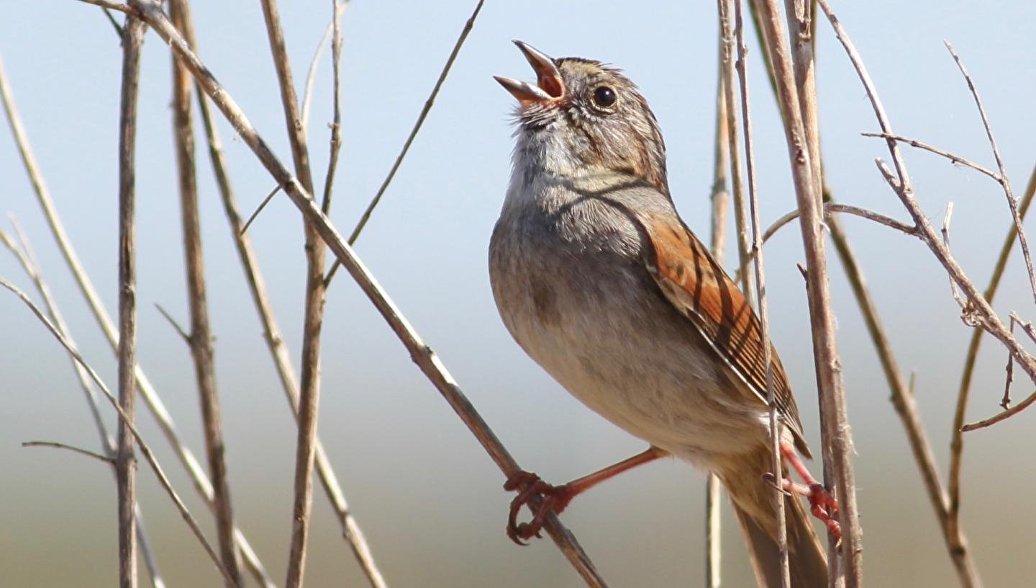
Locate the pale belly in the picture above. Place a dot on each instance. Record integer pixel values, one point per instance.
(615, 344)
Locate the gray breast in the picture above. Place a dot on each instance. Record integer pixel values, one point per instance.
(571, 287)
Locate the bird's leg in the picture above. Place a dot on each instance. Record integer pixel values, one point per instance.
(822, 504)
(554, 499)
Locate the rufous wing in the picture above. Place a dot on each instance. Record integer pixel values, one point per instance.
(700, 290)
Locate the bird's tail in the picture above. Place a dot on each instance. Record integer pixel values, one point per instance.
(753, 503)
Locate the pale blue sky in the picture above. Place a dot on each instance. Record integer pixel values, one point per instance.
(426, 494)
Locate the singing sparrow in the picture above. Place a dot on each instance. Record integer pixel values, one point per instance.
(599, 280)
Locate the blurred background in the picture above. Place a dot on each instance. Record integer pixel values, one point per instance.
(426, 495)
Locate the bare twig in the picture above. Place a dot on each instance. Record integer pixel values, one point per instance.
(727, 52)
(258, 209)
(776, 428)
(831, 207)
(413, 132)
(954, 158)
(335, 143)
(311, 73)
(174, 324)
(200, 340)
(351, 530)
(125, 462)
(109, 5)
(836, 438)
(799, 17)
(990, 322)
(107, 326)
(24, 255)
(902, 397)
(963, 393)
(23, 252)
(1012, 202)
(1027, 327)
(309, 388)
(1005, 401)
(124, 417)
(979, 308)
(965, 311)
(422, 355)
(72, 448)
(718, 198)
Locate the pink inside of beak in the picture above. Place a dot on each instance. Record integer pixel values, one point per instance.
(549, 84)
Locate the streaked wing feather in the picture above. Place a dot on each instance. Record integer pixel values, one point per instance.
(698, 287)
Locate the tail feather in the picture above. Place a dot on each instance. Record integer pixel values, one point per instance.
(753, 503)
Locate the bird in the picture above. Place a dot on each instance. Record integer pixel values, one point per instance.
(600, 281)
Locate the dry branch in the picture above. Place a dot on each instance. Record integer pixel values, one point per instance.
(413, 133)
(23, 253)
(200, 339)
(124, 417)
(835, 432)
(107, 326)
(309, 387)
(718, 197)
(421, 354)
(902, 397)
(272, 333)
(125, 462)
(775, 426)
(1012, 202)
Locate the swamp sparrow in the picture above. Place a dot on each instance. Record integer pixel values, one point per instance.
(601, 283)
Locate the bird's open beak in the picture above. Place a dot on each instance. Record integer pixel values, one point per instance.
(548, 88)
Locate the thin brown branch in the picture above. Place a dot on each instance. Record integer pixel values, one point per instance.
(258, 209)
(351, 530)
(421, 354)
(107, 326)
(468, 25)
(990, 322)
(124, 418)
(902, 397)
(125, 461)
(1005, 400)
(311, 72)
(964, 391)
(829, 208)
(335, 143)
(72, 448)
(200, 340)
(23, 253)
(1004, 182)
(945, 230)
(978, 310)
(109, 5)
(728, 74)
(174, 324)
(954, 158)
(836, 439)
(309, 387)
(776, 428)
(1001, 416)
(1026, 326)
(718, 197)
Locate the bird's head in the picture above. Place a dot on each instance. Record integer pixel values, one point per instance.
(581, 116)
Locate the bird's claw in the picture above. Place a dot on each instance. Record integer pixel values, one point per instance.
(551, 499)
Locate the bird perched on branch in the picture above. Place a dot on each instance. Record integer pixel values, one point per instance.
(600, 281)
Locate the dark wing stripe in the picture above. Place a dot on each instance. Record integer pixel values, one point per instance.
(704, 294)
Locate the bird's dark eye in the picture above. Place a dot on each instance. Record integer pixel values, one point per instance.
(604, 97)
